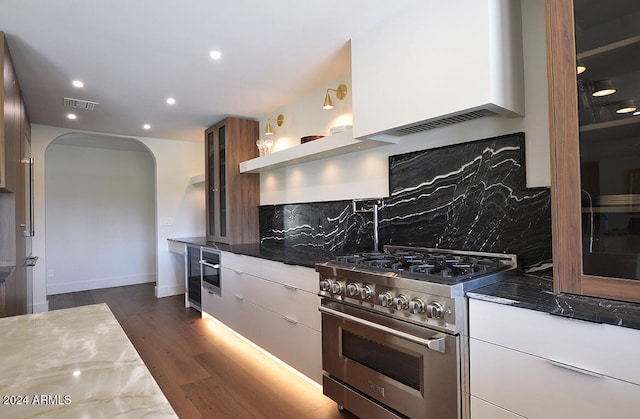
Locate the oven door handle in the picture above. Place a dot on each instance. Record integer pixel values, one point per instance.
(435, 343)
(215, 266)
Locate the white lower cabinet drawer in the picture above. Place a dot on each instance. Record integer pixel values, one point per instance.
(481, 409)
(297, 276)
(294, 343)
(536, 387)
(242, 316)
(610, 350)
(241, 263)
(293, 303)
(240, 283)
(211, 304)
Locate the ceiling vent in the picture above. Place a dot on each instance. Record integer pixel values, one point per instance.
(85, 105)
(442, 122)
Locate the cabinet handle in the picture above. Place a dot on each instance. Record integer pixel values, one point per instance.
(290, 320)
(238, 271)
(239, 297)
(29, 232)
(31, 261)
(290, 287)
(576, 369)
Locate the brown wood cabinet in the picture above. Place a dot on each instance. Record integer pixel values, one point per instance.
(595, 146)
(232, 198)
(10, 134)
(15, 204)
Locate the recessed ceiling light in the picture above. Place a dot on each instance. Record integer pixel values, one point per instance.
(215, 55)
(171, 101)
(71, 116)
(146, 126)
(77, 83)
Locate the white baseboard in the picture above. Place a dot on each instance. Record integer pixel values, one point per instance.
(41, 307)
(94, 284)
(169, 291)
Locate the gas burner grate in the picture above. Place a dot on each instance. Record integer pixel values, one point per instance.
(425, 264)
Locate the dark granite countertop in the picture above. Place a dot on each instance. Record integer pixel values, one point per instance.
(515, 289)
(288, 255)
(536, 293)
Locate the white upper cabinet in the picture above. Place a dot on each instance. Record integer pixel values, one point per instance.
(438, 63)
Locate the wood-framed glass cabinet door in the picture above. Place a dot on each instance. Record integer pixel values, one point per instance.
(212, 183)
(232, 198)
(594, 89)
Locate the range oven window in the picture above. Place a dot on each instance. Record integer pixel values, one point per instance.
(388, 361)
(210, 270)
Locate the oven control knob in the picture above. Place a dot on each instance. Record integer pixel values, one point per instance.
(325, 285)
(337, 287)
(416, 306)
(366, 292)
(401, 302)
(385, 299)
(353, 289)
(435, 310)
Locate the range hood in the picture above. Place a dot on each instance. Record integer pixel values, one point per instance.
(437, 64)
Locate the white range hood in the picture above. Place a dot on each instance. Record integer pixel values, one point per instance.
(436, 64)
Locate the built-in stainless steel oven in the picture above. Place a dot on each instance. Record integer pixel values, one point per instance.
(390, 367)
(210, 270)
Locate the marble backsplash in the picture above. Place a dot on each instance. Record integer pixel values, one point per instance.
(469, 196)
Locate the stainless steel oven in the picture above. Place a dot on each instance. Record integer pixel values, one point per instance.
(390, 367)
(395, 329)
(210, 270)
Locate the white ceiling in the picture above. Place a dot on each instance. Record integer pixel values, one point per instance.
(132, 55)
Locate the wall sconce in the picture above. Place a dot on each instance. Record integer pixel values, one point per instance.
(603, 88)
(341, 92)
(626, 106)
(279, 121)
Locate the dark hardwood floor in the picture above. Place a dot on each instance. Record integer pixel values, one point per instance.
(203, 370)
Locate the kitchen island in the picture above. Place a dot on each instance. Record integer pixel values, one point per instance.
(74, 363)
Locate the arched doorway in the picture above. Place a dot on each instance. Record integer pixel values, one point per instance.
(100, 209)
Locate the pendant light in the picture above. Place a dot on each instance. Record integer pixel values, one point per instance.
(603, 88)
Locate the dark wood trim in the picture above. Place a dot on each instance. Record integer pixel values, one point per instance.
(612, 288)
(565, 153)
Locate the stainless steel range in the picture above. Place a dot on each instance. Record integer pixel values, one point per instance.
(394, 329)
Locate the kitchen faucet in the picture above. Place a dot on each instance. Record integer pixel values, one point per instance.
(374, 210)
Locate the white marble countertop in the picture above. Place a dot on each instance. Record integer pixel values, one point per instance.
(74, 363)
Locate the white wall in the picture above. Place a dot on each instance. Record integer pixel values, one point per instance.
(365, 174)
(176, 201)
(100, 218)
